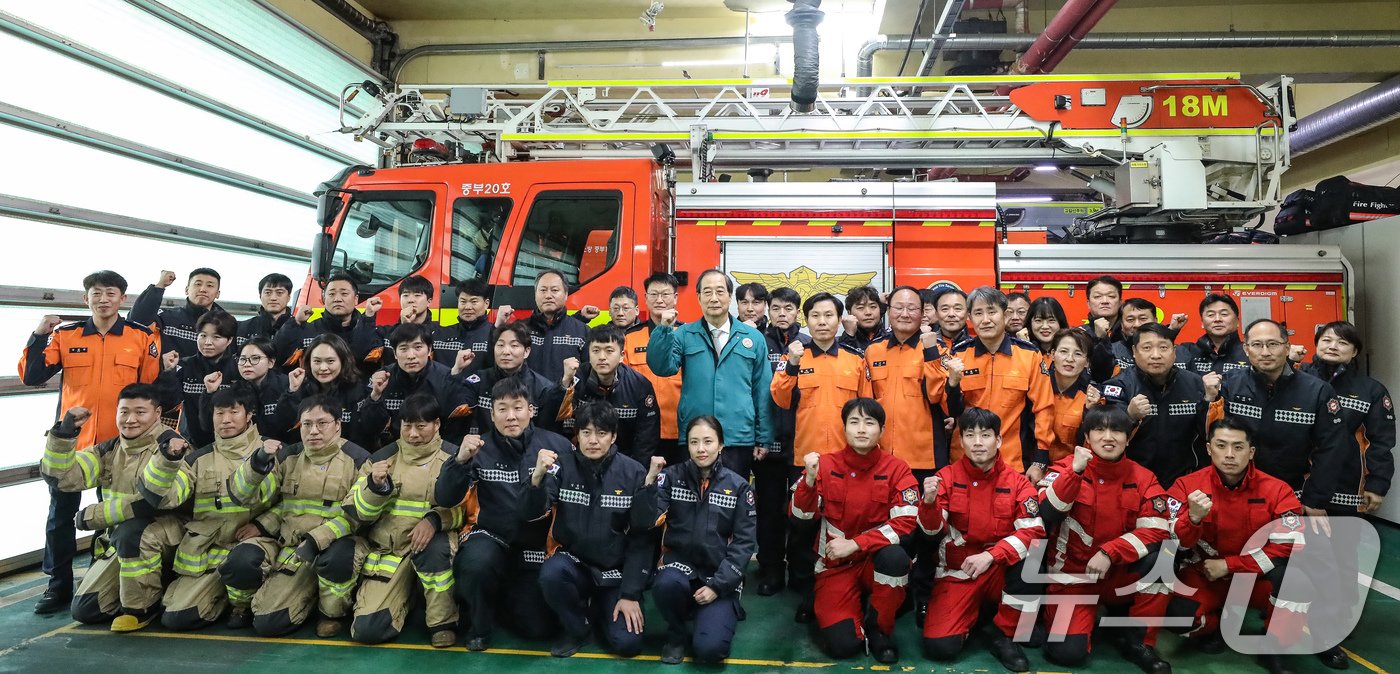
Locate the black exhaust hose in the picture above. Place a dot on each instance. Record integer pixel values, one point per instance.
(804, 18)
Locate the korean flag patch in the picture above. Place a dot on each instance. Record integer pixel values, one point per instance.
(1173, 507)
(911, 496)
(661, 479)
(553, 469)
(1032, 505)
(1292, 521)
(1113, 391)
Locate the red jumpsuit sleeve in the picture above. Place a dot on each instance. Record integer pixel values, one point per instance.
(1284, 538)
(933, 516)
(1029, 526)
(1183, 529)
(804, 498)
(1062, 491)
(904, 510)
(1151, 526)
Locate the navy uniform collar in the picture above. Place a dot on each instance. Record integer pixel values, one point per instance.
(913, 340)
(1080, 385)
(90, 328)
(980, 349)
(816, 351)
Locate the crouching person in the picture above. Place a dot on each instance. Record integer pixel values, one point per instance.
(710, 535)
(1226, 507)
(124, 584)
(991, 515)
(410, 534)
(597, 573)
(178, 474)
(866, 499)
(306, 553)
(1112, 519)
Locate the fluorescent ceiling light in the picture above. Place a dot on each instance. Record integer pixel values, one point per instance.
(1046, 167)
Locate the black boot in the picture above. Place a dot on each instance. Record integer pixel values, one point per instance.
(804, 610)
(1009, 654)
(1211, 644)
(1276, 664)
(770, 582)
(1147, 659)
(673, 653)
(920, 613)
(52, 602)
(882, 647)
(1334, 658)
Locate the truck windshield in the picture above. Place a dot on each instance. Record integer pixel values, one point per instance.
(385, 236)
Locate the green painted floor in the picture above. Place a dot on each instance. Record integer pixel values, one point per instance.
(769, 641)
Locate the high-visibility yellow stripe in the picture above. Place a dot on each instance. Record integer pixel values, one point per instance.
(1301, 286)
(1266, 131)
(670, 83)
(821, 223)
(767, 223)
(938, 223)
(878, 223)
(874, 135)
(599, 137)
(1056, 286)
(1177, 286)
(987, 223)
(709, 223)
(1241, 286)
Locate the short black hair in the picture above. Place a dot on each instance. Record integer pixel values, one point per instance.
(754, 291)
(421, 406)
(623, 291)
(706, 420)
(326, 403)
(700, 280)
(475, 287)
(1216, 298)
(343, 276)
(275, 280)
(510, 387)
(1106, 417)
(870, 407)
(140, 392)
(1138, 304)
(417, 284)
(607, 333)
(822, 297)
(1281, 331)
(405, 333)
(977, 417)
(224, 324)
(234, 396)
(947, 291)
(661, 277)
(552, 272)
(1012, 297)
(902, 288)
(596, 413)
(1229, 424)
(1104, 280)
(517, 328)
(205, 271)
(785, 294)
(261, 345)
(1344, 330)
(1079, 336)
(866, 293)
(1153, 328)
(105, 278)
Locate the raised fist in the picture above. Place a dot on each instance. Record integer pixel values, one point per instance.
(1081, 459)
(657, 464)
(377, 383)
(167, 277)
(849, 324)
(794, 353)
(1179, 321)
(1023, 334)
(213, 380)
(47, 324)
(1296, 352)
(668, 318)
(373, 306)
(295, 379)
(1212, 382)
(752, 322)
(954, 366)
(932, 484)
(1102, 327)
(504, 314)
(810, 462)
(547, 459)
(463, 361)
(570, 369)
(73, 420)
(176, 447)
(1139, 407)
(379, 472)
(1092, 395)
(170, 360)
(1197, 506)
(928, 337)
(303, 314)
(471, 444)
(271, 447)
(588, 312)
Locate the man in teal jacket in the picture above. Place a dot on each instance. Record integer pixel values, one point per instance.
(724, 371)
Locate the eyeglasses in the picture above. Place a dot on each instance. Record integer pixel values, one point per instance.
(1266, 346)
(661, 296)
(713, 292)
(905, 310)
(318, 425)
(249, 360)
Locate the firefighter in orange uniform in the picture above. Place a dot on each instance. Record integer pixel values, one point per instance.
(661, 297)
(998, 372)
(1069, 375)
(903, 373)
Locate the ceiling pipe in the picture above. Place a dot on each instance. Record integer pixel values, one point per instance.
(378, 33)
(804, 17)
(1350, 116)
(1085, 25)
(1060, 27)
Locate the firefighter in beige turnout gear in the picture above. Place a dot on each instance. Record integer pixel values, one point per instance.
(307, 548)
(174, 477)
(409, 535)
(123, 585)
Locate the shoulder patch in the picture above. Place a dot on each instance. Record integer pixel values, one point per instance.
(661, 479)
(649, 401)
(1333, 406)
(1159, 504)
(1032, 505)
(155, 352)
(911, 496)
(1113, 391)
(1385, 402)
(475, 379)
(1291, 520)
(748, 497)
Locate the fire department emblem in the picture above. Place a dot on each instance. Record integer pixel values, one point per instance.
(1032, 506)
(650, 401)
(748, 498)
(807, 282)
(1291, 520)
(1333, 406)
(748, 343)
(911, 495)
(475, 379)
(1385, 402)
(1159, 504)
(155, 353)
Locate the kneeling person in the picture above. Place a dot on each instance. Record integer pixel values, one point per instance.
(123, 586)
(306, 540)
(410, 533)
(604, 549)
(991, 515)
(867, 500)
(175, 476)
(709, 537)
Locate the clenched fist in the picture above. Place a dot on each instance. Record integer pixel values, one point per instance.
(588, 312)
(1212, 382)
(849, 324)
(295, 379)
(47, 324)
(303, 314)
(377, 383)
(794, 353)
(373, 306)
(504, 314)
(463, 361)
(176, 447)
(170, 360)
(1102, 327)
(212, 381)
(810, 462)
(1197, 506)
(167, 278)
(668, 318)
(954, 366)
(1092, 395)
(271, 447)
(471, 444)
(73, 421)
(1296, 352)
(1179, 321)
(1081, 459)
(932, 484)
(379, 472)
(546, 460)
(570, 369)
(657, 464)
(1139, 407)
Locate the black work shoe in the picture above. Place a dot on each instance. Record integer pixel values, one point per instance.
(882, 647)
(569, 644)
(1009, 654)
(920, 613)
(52, 602)
(478, 642)
(672, 653)
(1276, 664)
(770, 584)
(240, 618)
(1147, 659)
(1211, 644)
(804, 611)
(1334, 658)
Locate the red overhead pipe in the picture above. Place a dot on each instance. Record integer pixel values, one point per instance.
(1085, 25)
(1061, 25)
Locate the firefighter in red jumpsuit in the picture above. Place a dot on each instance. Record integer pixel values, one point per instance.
(991, 514)
(1112, 518)
(866, 499)
(1220, 511)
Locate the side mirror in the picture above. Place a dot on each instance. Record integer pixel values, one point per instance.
(367, 228)
(322, 248)
(328, 206)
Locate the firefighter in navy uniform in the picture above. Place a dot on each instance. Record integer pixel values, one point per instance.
(415, 308)
(180, 474)
(1220, 349)
(1165, 402)
(177, 325)
(414, 371)
(264, 384)
(306, 553)
(604, 378)
(329, 369)
(471, 332)
(182, 382)
(773, 475)
(864, 322)
(710, 519)
(555, 334)
(601, 537)
(412, 536)
(505, 546)
(274, 294)
(124, 584)
(341, 294)
(1216, 513)
(551, 401)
